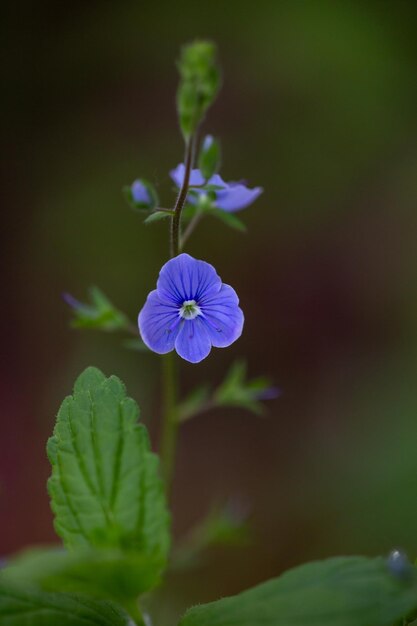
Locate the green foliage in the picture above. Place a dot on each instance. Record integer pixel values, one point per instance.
(199, 84)
(99, 314)
(206, 206)
(109, 574)
(345, 591)
(209, 157)
(235, 391)
(35, 608)
(105, 488)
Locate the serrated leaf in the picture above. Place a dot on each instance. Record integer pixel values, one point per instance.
(229, 219)
(344, 591)
(20, 607)
(108, 574)
(105, 487)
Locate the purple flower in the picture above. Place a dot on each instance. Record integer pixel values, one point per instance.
(190, 311)
(233, 196)
(140, 194)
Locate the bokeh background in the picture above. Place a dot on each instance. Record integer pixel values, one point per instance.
(319, 107)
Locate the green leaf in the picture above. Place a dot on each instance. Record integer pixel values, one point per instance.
(209, 158)
(344, 591)
(229, 219)
(199, 84)
(105, 487)
(157, 217)
(108, 574)
(29, 607)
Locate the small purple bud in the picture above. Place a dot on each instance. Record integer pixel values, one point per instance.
(140, 193)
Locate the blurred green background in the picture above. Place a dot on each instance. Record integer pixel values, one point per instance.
(318, 106)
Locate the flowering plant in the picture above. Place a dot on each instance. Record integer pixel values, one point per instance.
(108, 495)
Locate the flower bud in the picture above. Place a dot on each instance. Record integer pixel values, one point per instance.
(199, 84)
(141, 195)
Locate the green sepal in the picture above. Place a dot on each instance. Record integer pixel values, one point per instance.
(199, 84)
(236, 391)
(99, 313)
(209, 157)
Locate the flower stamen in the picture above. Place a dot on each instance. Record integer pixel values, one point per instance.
(189, 310)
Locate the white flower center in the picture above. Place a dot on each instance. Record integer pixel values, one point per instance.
(189, 310)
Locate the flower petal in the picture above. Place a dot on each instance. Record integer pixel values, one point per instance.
(159, 324)
(185, 278)
(193, 342)
(222, 317)
(177, 176)
(236, 197)
(196, 177)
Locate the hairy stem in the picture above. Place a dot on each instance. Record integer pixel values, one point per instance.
(170, 423)
(182, 196)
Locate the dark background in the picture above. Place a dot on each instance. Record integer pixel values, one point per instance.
(319, 107)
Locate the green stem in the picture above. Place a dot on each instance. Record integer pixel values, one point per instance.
(191, 226)
(182, 196)
(170, 423)
(132, 608)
